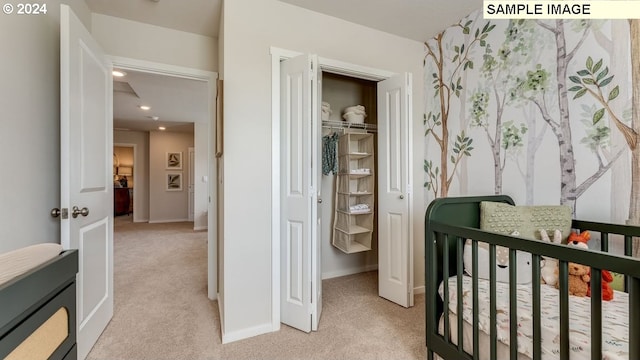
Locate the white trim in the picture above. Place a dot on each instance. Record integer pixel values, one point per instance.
(168, 221)
(246, 333)
(210, 77)
(140, 220)
(275, 189)
(409, 99)
(329, 65)
(199, 228)
(353, 70)
(419, 290)
(351, 271)
(151, 67)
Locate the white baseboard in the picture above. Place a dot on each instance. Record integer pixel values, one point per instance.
(140, 220)
(345, 272)
(418, 290)
(167, 221)
(246, 333)
(200, 228)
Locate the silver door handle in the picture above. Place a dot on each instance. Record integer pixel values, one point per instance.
(55, 212)
(77, 211)
(319, 201)
(401, 196)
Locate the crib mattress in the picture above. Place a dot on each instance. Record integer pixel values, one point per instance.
(615, 319)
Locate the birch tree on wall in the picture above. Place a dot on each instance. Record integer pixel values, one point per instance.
(447, 85)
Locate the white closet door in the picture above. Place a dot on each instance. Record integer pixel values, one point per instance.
(395, 277)
(316, 167)
(298, 222)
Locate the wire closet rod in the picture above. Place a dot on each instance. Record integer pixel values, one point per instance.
(337, 124)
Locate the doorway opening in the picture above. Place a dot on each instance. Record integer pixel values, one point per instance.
(172, 158)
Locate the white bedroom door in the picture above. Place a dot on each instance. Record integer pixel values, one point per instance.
(86, 174)
(298, 194)
(395, 275)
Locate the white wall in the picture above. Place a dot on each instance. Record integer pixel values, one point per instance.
(140, 169)
(131, 39)
(30, 103)
(167, 206)
(247, 175)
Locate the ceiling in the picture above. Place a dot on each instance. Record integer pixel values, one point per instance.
(413, 19)
(178, 101)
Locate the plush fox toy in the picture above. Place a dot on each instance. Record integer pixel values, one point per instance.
(580, 240)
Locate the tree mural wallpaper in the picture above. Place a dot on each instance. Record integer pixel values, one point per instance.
(450, 65)
(539, 102)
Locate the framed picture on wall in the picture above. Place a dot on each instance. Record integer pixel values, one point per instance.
(174, 181)
(174, 160)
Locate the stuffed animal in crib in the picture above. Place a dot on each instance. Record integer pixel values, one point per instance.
(607, 291)
(578, 279)
(581, 240)
(549, 268)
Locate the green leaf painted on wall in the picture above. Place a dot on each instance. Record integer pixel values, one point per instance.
(575, 88)
(597, 67)
(580, 93)
(589, 63)
(614, 93)
(602, 74)
(606, 81)
(598, 116)
(575, 79)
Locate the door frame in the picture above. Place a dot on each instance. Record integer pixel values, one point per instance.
(136, 171)
(210, 78)
(331, 66)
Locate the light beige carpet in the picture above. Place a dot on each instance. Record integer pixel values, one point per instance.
(162, 311)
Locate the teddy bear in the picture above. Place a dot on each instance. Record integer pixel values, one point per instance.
(580, 240)
(549, 268)
(578, 279)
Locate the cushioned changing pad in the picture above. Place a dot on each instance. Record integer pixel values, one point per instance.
(615, 319)
(17, 262)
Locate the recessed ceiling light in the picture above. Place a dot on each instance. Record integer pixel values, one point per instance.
(145, 107)
(162, 128)
(118, 73)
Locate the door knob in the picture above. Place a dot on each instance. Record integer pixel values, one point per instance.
(77, 211)
(401, 196)
(55, 212)
(319, 201)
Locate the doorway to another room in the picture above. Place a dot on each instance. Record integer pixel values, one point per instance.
(163, 236)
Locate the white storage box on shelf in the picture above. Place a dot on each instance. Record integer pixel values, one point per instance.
(354, 203)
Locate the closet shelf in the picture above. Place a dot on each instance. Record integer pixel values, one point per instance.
(355, 229)
(355, 176)
(356, 212)
(357, 155)
(355, 193)
(338, 124)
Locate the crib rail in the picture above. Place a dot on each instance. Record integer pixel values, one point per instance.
(444, 258)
